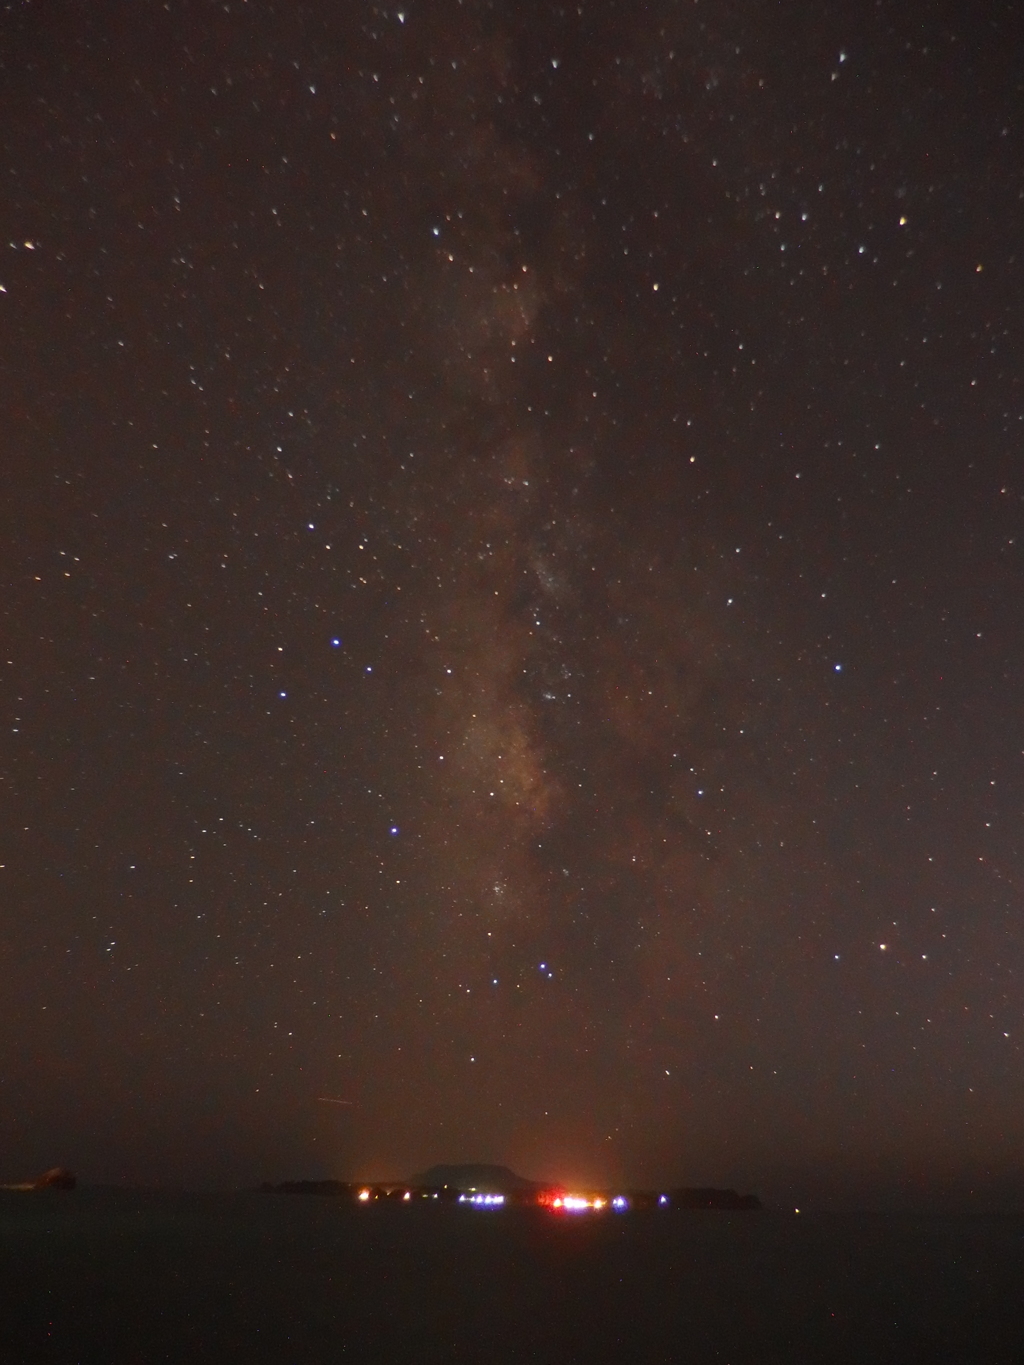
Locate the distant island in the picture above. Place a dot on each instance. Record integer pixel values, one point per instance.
(481, 1184)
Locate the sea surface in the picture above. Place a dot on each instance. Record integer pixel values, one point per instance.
(102, 1278)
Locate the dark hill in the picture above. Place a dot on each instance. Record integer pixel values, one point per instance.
(469, 1176)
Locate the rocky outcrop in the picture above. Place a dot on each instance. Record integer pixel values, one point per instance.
(57, 1178)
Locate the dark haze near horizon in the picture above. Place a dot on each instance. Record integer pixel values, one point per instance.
(511, 619)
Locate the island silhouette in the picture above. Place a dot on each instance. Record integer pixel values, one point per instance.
(484, 1183)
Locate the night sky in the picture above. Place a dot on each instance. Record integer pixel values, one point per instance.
(512, 606)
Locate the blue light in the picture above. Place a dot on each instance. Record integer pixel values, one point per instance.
(394, 829)
(336, 644)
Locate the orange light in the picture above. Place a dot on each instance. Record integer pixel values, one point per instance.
(364, 1196)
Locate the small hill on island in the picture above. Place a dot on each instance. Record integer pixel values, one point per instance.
(470, 1177)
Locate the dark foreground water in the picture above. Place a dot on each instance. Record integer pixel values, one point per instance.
(110, 1278)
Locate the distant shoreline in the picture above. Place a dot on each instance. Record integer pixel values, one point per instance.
(556, 1198)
